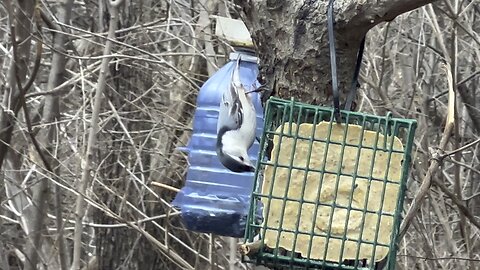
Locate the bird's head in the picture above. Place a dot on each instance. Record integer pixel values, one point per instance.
(235, 159)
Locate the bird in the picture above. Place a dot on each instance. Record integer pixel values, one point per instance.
(236, 125)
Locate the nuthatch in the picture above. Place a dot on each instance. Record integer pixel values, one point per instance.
(236, 126)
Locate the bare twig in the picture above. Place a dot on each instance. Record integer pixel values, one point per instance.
(457, 202)
(158, 184)
(460, 149)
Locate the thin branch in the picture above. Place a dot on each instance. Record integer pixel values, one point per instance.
(165, 186)
(461, 148)
(458, 202)
(439, 258)
(436, 161)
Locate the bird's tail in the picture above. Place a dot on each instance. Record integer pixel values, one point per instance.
(236, 73)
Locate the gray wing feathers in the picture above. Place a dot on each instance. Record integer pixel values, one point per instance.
(231, 110)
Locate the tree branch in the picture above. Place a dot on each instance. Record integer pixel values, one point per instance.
(461, 206)
(372, 13)
(436, 161)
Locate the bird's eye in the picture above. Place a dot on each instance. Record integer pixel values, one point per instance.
(241, 158)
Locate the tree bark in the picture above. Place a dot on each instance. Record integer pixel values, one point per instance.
(291, 40)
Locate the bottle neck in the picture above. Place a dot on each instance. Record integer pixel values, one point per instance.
(248, 55)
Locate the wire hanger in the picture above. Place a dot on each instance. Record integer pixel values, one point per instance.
(333, 66)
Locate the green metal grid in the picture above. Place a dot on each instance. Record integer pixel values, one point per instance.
(280, 112)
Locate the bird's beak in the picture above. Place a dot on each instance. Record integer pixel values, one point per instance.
(251, 167)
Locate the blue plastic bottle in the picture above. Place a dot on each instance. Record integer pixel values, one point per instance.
(214, 199)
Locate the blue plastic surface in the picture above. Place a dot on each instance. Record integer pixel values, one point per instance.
(214, 199)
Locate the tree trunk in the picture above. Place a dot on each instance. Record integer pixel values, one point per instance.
(20, 22)
(47, 139)
(20, 15)
(291, 39)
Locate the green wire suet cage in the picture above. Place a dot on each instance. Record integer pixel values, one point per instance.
(331, 194)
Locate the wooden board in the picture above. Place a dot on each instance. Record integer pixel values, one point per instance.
(233, 31)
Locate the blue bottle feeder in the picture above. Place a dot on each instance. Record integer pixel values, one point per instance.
(214, 199)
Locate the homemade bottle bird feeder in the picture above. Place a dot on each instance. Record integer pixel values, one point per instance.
(214, 199)
(331, 192)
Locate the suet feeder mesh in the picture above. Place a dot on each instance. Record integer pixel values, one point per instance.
(331, 194)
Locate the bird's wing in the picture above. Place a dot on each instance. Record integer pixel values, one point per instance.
(231, 109)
